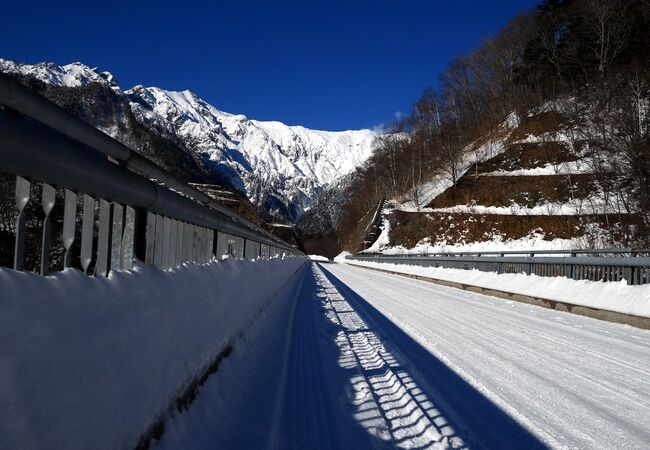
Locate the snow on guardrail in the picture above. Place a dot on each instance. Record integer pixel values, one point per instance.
(91, 362)
(616, 296)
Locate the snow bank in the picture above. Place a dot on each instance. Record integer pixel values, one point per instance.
(318, 258)
(383, 240)
(90, 362)
(610, 296)
(340, 258)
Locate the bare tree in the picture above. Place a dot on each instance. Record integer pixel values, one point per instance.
(608, 23)
(552, 28)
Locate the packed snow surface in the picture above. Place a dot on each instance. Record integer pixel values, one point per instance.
(360, 359)
(572, 381)
(90, 363)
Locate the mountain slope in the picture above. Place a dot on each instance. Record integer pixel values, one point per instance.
(280, 168)
(542, 188)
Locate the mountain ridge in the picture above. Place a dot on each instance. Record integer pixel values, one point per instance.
(278, 167)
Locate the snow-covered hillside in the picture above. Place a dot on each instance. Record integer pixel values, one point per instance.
(281, 168)
(531, 183)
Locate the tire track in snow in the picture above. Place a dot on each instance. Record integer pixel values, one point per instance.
(495, 348)
(568, 377)
(410, 418)
(559, 360)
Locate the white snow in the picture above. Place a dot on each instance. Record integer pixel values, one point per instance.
(473, 153)
(427, 192)
(340, 258)
(383, 240)
(291, 163)
(358, 359)
(90, 362)
(610, 296)
(70, 75)
(334, 356)
(593, 205)
(318, 258)
(573, 382)
(535, 241)
(317, 376)
(272, 163)
(565, 168)
(512, 121)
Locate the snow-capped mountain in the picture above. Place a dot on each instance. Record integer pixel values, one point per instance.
(270, 161)
(70, 75)
(280, 168)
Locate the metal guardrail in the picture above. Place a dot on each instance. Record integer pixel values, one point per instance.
(596, 265)
(127, 213)
(605, 252)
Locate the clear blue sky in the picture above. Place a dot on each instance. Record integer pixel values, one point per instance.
(323, 64)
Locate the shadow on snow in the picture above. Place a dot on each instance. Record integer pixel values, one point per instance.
(404, 395)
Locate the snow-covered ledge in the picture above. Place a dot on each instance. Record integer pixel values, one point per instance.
(90, 362)
(618, 297)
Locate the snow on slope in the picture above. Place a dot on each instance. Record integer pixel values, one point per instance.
(267, 160)
(534, 241)
(473, 153)
(71, 75)
(281, 168)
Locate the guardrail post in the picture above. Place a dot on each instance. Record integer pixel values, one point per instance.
(47, 203)
(104, 236)
(116, 236)
(23, 189)
(128, 238)
(87, 231)
(69, 225)
(150, 236)
(629, 275)
(173, 242)
(141, 244)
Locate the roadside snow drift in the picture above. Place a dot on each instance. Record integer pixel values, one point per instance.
(90, 362)
(610, 296)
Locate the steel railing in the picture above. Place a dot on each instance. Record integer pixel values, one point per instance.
(631, 265)
(598, 252)
(131, 208)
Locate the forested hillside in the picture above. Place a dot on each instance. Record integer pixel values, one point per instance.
(562, 89)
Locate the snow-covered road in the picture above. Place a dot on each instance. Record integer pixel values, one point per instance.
(352, 358)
